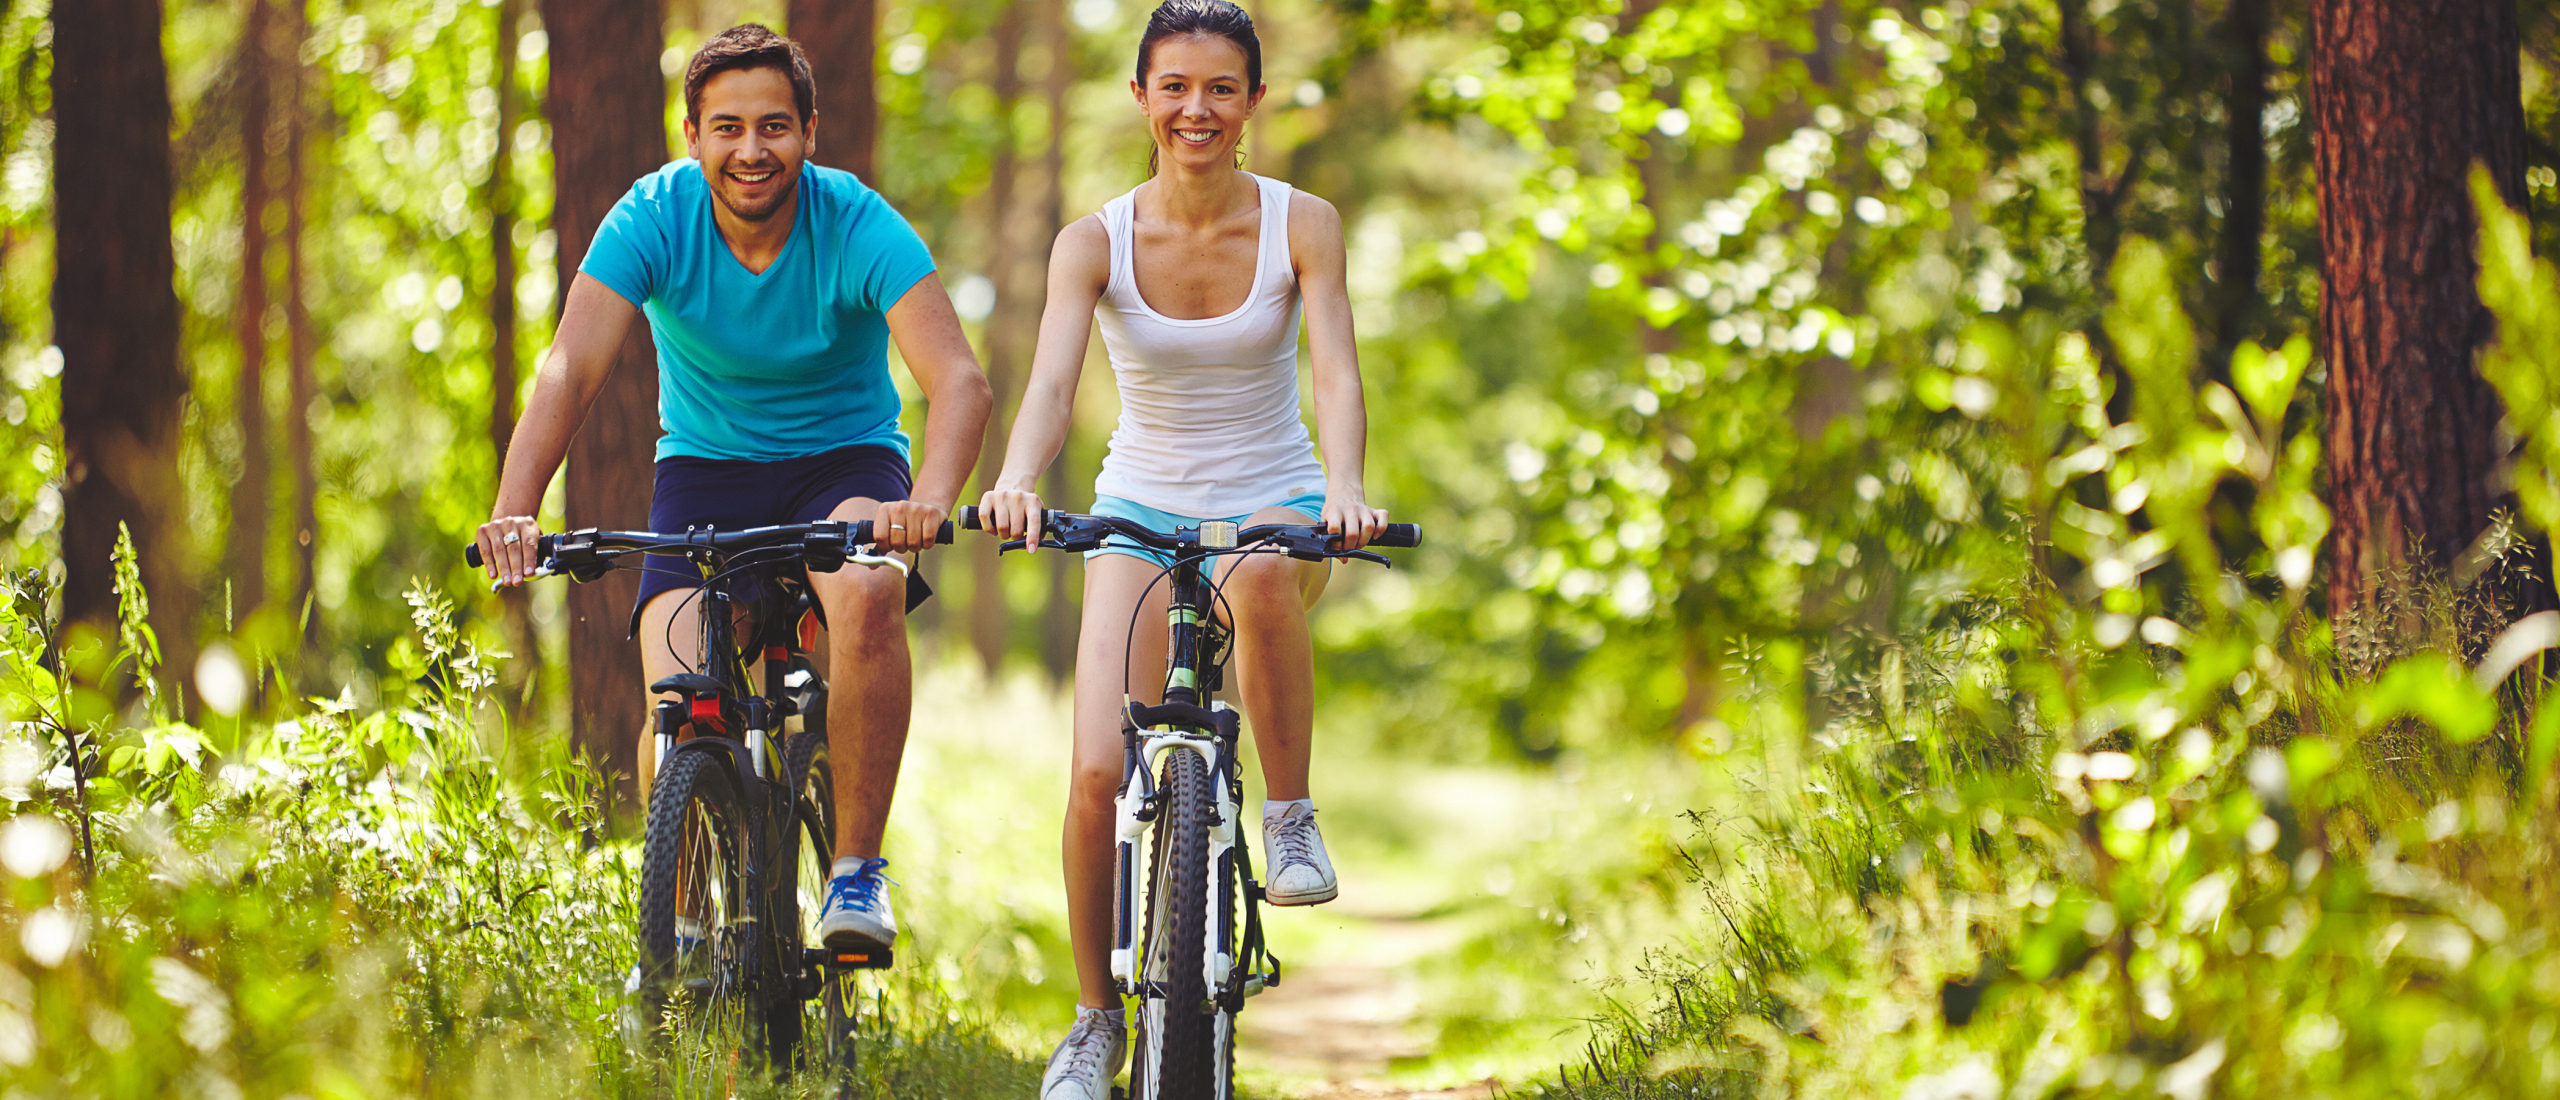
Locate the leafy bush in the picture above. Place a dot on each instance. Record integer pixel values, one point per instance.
(2137, 821)
(402, 901)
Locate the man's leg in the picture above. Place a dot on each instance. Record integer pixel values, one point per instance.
(869, 690)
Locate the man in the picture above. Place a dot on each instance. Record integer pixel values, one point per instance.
(771, 286)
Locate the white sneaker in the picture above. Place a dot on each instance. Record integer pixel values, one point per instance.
(1088, 1058)
(1301, 874)
(857, 915)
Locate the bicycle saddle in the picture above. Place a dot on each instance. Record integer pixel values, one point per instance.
(692, 684)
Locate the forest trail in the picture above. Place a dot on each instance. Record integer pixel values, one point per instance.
(1339, 1022)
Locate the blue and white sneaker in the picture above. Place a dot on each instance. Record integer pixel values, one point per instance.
(857, 913)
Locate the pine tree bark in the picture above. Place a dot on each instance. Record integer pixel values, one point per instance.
(302, 388)
(246, 559)
(842, 39)
(115, 313)
(604, 105)
(2405, 98)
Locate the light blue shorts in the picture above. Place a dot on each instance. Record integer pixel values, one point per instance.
(1309, 504)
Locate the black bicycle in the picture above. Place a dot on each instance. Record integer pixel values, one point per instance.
(1180, 782)
(739, 844)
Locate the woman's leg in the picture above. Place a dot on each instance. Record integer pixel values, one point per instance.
(1268, 595)
(1106, 652)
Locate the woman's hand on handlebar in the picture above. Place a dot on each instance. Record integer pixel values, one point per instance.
(904, 526)
(1012, 514)
(506, 547)
(1347, 515)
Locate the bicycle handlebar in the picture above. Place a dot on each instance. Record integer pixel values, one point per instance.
(1307, 541)
(822, 544)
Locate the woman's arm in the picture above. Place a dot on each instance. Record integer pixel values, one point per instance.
(1342, 413)
(958, 402)
(593, 325)
(1079, 268)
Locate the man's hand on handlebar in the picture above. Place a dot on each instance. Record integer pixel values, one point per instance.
(507, 548)
(905, 526)
(1012, 514)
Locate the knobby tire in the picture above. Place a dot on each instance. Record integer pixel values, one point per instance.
(696, 943)
(1185, 1043)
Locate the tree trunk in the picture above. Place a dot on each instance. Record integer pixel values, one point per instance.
(302, 388)
(115, 313)
(2405, 98)
(2244, 194)
(503, 381)
(842, 39)
(1060, 620)
(604, 104)
(247, 555)
(990, 621)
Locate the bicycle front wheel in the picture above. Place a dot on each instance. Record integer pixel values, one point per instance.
(696, 949)
(1185, 1039)
(826, 1022)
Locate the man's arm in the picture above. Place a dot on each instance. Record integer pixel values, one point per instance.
(583, 352)
(957, 404)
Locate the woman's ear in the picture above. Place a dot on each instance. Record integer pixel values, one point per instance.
(1138, 92)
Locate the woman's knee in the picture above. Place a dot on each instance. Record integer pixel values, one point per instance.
(1092, 784)
(1265, 583)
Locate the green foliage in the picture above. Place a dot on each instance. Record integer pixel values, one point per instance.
(350, 902)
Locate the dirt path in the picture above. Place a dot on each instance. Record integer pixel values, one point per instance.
(1340, 1019)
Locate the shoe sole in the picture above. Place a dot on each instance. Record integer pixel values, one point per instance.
(846, 939)
(1293, 900)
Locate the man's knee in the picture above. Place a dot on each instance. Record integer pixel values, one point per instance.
(865, 609)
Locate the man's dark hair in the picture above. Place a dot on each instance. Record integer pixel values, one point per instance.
(1208, 17)
(750, 46)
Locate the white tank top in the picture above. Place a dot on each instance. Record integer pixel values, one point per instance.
(1208, 408)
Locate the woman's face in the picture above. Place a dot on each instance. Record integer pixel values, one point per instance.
(1196, 100)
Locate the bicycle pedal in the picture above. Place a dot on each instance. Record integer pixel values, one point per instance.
(865, 959)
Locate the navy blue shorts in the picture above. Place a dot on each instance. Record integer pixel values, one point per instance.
(733, 494)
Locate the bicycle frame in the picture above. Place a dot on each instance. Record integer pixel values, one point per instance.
(1187, 721)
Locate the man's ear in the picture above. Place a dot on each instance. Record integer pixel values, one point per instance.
(809, 134)
(693, 139)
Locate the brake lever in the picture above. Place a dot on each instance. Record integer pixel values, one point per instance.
(1370, 555)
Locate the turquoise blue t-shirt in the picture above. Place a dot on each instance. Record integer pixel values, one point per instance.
(788, 363)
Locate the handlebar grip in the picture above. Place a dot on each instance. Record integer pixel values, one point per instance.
(541, 550)
(860, 534)
(969, 518)
(1399, 535)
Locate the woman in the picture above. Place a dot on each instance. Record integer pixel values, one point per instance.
(1197, 277)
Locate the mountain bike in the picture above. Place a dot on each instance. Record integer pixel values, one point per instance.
(740, 837)
(1181, 789)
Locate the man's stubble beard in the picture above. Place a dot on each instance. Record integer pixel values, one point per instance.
(790, 193)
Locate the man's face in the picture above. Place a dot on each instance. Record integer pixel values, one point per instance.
(750, 141)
